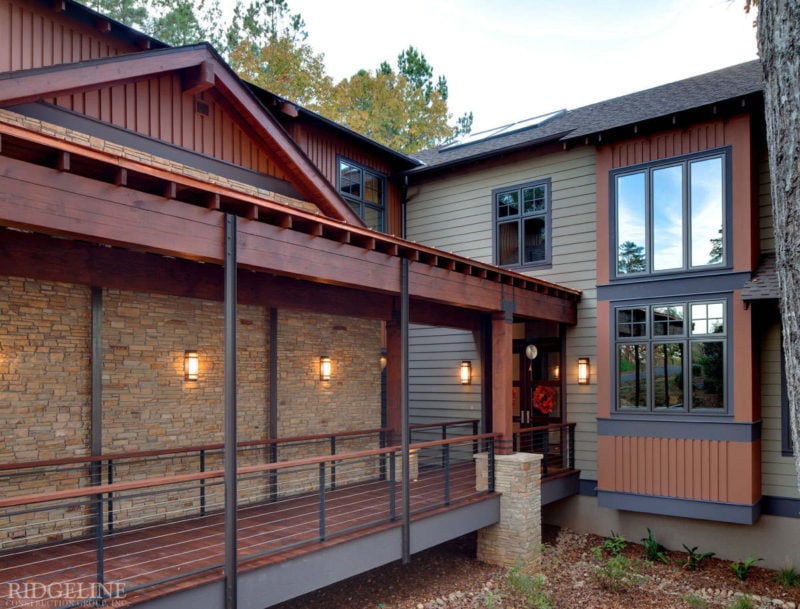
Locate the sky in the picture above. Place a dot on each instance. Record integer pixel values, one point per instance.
(508, 60)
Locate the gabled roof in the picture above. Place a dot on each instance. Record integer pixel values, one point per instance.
(202, 68)
(659, 102)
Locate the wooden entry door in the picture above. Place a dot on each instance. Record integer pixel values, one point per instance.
(537, 382)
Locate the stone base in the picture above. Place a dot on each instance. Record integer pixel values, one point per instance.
(517, 538)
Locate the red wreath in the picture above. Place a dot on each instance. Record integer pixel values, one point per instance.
(544, 399)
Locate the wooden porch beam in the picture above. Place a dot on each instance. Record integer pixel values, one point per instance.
(198, 78)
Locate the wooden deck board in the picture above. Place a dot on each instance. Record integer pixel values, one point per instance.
(267, 533)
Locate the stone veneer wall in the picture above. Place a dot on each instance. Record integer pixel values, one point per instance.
(349, 401)
(45, 388)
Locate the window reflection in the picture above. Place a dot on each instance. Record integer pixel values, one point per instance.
(668, 375)
(631, 223)
(707, 212)
(632, 380)
(668, 218)
(707, 375)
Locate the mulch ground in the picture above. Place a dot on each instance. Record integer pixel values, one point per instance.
(449, 577)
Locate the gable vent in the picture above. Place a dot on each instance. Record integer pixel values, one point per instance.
(201, 107)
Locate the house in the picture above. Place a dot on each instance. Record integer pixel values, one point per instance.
(656, 206)
(204, 317)
(231, 373)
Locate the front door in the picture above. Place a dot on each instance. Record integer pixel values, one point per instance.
(537, 382)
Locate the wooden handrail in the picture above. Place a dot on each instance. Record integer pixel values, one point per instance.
(250, 469)
(185, 449)
(545, 427)
(443, 423)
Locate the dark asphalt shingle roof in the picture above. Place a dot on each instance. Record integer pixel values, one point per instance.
(763, 285)
(665, 100)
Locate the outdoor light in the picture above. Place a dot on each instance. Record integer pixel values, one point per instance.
(191, 366)
(466, 372)
(382, 360)
(583, 371)
(556, 372)
(324, 368)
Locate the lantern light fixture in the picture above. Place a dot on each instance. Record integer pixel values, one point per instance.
(324, 368)
(191, 365)
(583, 371)
(466, 372)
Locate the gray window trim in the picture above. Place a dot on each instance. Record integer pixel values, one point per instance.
(725, 153)
(548, 216)
(685, 414)
(360, 200)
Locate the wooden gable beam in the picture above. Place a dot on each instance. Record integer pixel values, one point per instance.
(198, 78)
(63, 79)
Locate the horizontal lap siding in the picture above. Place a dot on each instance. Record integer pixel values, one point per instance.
(779, 477)
(765, 205)
(436, 393)
(455, 214)
(157, 108)
(34, 36)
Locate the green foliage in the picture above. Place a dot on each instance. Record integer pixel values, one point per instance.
(741, 569)
(694, 558)
(492, 599)
(788, 576)
(745, 601)
(530, 588)
(615, 544)
(654, 551)
(616, 573)
(694, 601)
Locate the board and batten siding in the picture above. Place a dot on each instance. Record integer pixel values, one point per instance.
(435, 390)
(454, 213)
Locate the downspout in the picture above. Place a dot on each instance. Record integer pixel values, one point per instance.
(405, 435)
(230, 413)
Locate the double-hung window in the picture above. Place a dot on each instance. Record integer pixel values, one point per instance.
(671, 357)
(365, 191)
(670, 216)
(522, 224)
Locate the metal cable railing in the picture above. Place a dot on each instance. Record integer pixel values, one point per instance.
(556, 444)
(281, 506)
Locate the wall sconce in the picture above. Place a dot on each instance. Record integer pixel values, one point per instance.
(466, 372)
(191, 366)
(324, 368)
(583, 371)
(556, 372)
(382, 360)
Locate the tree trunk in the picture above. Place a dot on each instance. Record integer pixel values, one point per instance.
(779, 48)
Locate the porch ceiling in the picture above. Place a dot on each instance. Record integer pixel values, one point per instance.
(80, 190)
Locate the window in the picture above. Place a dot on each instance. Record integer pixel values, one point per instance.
(364, 190)
(670, 215)
(671, 357)
(522, 224)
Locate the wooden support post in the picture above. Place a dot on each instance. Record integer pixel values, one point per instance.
(502, 378)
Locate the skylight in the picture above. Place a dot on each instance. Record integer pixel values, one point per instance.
(528, 123)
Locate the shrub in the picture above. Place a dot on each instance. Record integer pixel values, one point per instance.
(788, 576)
(615, 544)
(744, 601)
(654, 551)
(695, 558)
(695, 601)
(741, 569)
(616, 573)
(530, 588)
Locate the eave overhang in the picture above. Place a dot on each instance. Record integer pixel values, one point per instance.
(201, 68)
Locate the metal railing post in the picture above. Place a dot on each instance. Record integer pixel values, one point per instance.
(392, 487)
(202, 482)
(446, 465)
(545, 450)
(572, 447)
(273, 474)
(110, 478)
(474, 433)
(444, 437)
(382, 458)
(322, 501)
(333, 463)
(490, 465)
